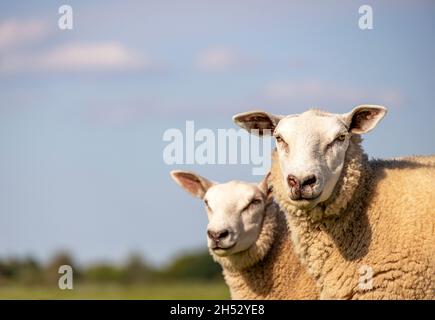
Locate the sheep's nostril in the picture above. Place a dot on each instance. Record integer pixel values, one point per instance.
(211, 235)
(309, 181)
(223, 234)
(292, 181)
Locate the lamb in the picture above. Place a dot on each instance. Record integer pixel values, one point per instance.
(364, 229)
(248, 237)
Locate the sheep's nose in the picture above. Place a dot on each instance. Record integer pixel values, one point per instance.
(297, 184)
(219, 235)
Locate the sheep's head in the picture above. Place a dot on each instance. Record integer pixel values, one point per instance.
(311, 147)
(235, 210)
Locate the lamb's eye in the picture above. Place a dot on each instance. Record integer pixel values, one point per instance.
(255, 202)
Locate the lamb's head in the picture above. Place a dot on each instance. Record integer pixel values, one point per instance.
(235, 210)
(311, 147)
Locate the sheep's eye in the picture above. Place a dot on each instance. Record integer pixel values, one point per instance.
(207, 205)
(280, 141)
(253, 203)
(337, 140)
(341, 137)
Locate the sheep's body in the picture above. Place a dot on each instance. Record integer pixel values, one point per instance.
(379, 221)
(269, 269)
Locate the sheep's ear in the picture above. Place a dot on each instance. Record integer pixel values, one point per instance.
(265, 187)
(364, 118)
(257, 122)
(191, 182)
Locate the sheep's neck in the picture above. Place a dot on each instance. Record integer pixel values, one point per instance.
(315, 232)
(246, 259)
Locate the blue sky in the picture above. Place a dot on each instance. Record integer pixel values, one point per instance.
(82, 112)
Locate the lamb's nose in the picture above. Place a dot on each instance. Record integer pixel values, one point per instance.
(293, 182)
(219, 235)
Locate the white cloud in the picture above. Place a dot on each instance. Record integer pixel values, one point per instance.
(219, 59)
(17, 33)
(78, 57)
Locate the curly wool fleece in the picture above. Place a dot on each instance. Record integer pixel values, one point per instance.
(269, 269)
(374, 238)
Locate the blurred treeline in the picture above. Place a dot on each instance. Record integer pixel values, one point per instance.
(195, 265)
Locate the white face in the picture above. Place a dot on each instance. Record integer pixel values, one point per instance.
(312, 147)
(235, 210)
(235, 214)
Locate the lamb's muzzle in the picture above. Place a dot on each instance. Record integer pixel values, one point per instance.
(248, 237)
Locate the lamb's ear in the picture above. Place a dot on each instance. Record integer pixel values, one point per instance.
(364, 118)
(265, 187)
(191, 182)
(257, 122)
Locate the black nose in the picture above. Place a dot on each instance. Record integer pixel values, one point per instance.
(217, 236)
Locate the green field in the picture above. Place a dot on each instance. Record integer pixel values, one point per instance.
(175, 290)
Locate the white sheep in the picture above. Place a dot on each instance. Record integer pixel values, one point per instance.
(365, 229)
(248, 237)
